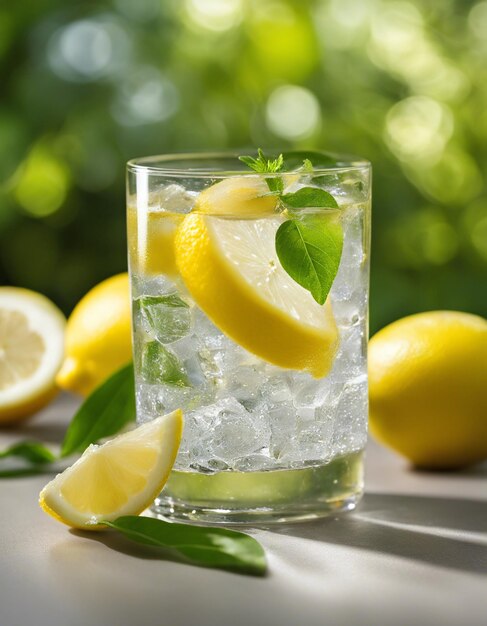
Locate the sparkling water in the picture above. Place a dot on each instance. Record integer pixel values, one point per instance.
(246, 419)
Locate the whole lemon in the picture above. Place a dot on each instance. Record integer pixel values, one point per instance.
(428, 388)
(98, 336)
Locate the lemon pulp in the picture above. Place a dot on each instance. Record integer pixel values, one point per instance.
(31, 351)
(120, 477)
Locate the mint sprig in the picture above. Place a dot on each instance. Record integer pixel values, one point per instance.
(309, 246)
(263, 165)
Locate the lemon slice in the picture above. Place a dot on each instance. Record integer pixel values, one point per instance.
(31, 351)
(237, 196)
(232, 271)
(152, 247)
(120, 477)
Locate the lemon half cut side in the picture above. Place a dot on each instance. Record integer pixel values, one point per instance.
(121, 477)
(231, 269)
(31, 352)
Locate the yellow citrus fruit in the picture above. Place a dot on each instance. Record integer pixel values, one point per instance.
(428, 388)
(152, 248)
(232, 271)
(120, 477)
(237, 196)
(98, 336)
(31, 352)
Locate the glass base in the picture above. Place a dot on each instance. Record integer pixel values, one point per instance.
(254, 498)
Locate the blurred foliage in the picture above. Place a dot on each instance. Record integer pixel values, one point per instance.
(87, 85)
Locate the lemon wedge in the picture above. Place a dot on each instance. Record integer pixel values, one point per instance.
(31, 352)
(232, 271)
(120, 477)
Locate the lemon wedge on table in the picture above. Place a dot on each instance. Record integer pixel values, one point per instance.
(31, 352)
(231, 269)
(120, 477)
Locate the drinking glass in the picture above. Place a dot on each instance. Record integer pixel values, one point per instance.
(272, 384)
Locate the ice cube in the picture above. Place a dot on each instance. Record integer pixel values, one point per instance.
(173, 198)
(253, 463)
(224, 430)
(350, 430)
(283, 423)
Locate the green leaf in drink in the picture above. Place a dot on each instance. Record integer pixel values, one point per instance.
(309, 197)
(161, 365)
(207, 547)
(168, 316)
(309, 246)
(105, 412)
(309, 249)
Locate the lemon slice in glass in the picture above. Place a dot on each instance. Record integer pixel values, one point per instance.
(232, 271)
(120, 477)
(31, 351)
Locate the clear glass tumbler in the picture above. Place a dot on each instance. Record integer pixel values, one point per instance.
(230, 326)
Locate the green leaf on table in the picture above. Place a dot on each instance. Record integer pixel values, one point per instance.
(31, 451)
(264, 165)
(309, 197)
(168, 316)
(105, 412)
(161, 365)
(35, 470)
(309, 249)
(208, 547)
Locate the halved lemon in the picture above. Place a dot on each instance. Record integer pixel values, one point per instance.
(120, 477)
(31, 352)
(232, 271)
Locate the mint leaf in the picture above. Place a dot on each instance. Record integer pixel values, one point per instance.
(110, 407)
(171, 299)
(160, 365)
(30, 451)
(309, 249)
(263, 165)
(309, 197)
(208, 547)
(168, 316)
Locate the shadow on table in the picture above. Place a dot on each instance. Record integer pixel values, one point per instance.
(414, 527)
(119, 543)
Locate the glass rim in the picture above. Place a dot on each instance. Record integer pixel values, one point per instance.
(156, 165)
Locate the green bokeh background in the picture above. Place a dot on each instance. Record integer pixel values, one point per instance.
(87, 85)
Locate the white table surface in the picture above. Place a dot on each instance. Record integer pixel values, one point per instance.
(413, 553)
